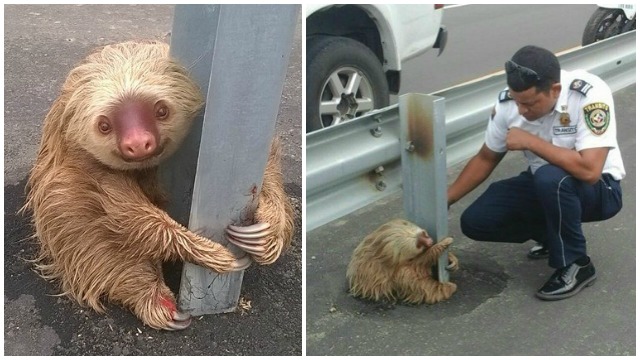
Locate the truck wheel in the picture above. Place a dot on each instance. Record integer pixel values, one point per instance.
(604, 23)
(344, 80)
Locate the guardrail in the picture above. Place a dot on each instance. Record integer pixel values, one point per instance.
(353, 164)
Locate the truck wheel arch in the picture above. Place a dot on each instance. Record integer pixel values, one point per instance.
(366, 24)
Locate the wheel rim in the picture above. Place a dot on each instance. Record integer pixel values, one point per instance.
(346, 94)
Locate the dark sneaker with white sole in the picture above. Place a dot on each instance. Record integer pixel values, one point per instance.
(568, 281)
(538, 252)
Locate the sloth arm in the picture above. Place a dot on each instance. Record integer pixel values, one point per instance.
(436, 250)
(149, 232)
(273, 233)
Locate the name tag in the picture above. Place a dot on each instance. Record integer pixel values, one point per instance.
(564, 130)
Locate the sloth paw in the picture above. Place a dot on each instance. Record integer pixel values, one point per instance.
(179, 320)
(252, 239)
(453, 262)
(449, 288)
(446, 242)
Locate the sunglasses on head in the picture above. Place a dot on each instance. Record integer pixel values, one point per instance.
(526, 74)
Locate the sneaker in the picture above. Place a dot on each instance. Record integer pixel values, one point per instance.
(568, 281)
(538, 252)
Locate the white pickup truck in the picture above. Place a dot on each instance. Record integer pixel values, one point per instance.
(355, 55)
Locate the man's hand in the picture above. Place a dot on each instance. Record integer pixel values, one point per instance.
(585, 165)
(518, 139)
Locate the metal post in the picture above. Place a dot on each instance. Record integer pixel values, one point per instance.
(424, 166)
(239, 56)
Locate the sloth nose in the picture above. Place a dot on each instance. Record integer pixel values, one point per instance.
(138, 146)
(424, 241)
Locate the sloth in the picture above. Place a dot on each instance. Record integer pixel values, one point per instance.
(395, 263)
(94, 196)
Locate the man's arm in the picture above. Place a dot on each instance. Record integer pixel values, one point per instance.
(474, 173)
(585, 165)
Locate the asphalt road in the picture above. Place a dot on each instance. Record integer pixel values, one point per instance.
(494, 311)
(42, 43)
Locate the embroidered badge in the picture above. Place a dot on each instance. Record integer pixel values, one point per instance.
(581, 86)
(504, 96)
(597, 117)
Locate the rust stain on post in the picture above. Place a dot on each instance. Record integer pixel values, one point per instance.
(420, 128)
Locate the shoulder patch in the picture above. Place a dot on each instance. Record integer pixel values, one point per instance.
(581, 86)
(597, 117)
(504, 96)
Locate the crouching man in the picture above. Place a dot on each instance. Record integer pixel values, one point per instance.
(564, 122)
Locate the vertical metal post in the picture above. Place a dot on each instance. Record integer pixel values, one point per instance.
(239, 55)
(424, 166)
(193, 38)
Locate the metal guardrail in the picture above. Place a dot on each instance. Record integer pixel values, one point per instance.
(353, 164)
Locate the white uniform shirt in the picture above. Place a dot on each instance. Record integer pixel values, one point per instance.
(591, 123)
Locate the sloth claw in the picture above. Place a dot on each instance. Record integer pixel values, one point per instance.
(249, 236)
(251, 248)
(178, 325)
(179, 316)
(241, 263)
(251, 228)
(180, 321)
(251, 239)
(251, 242)
(251, 232)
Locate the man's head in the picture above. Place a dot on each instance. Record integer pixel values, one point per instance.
(533, 77)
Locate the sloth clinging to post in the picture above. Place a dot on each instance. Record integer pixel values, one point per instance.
(95, 198)
(394, 263)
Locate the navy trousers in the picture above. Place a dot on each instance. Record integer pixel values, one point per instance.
(548, 206)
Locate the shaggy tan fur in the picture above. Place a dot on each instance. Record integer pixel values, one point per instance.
(97, 217)
(388, 265)
(274, 208)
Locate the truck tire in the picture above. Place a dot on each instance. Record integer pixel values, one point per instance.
(335, 65)
(604, 23)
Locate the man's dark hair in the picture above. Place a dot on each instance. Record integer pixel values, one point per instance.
(528, 62)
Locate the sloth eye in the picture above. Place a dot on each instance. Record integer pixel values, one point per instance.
(104, 126)
(162, 111)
